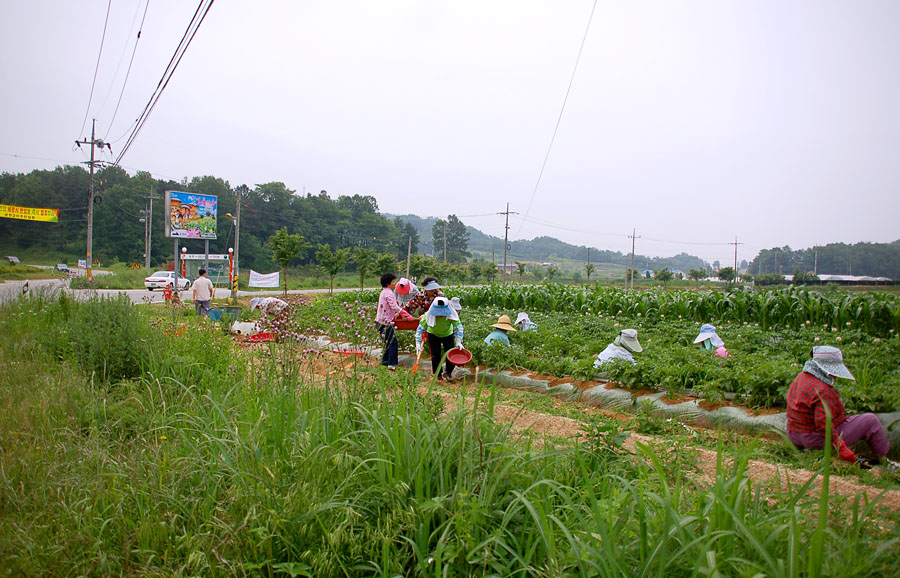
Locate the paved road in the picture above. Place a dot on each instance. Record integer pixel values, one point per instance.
(15, 289)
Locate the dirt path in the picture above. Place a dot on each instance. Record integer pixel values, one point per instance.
(758, 471)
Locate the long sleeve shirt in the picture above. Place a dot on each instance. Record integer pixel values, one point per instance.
(805, 409)
(442, 327)
(388, 307)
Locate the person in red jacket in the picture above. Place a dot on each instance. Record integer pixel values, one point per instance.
(806, 399)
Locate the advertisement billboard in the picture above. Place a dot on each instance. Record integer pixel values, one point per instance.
(190, 216)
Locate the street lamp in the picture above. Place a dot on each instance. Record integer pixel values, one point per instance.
(237, 243)
(183, 263)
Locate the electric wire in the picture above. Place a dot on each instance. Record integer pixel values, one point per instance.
(128, 72)
(96, 68)
(561, 111)
(115, 75)
(186, 39)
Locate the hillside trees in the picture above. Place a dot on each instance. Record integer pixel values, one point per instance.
(457, 238)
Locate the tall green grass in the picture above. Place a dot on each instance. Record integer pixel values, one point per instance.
(218, 463)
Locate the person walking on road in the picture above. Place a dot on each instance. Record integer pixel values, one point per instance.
(203, 293)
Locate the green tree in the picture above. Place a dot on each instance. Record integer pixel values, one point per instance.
(457, 239)
(332, 261)
(696, 275)
(726, 274)
(285, 248)
(365, 262)
(386, 263)
(520, 268)
(664, 275)
(551, 272)
(490, 272)
(588, 269)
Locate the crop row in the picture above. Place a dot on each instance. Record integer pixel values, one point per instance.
(873, 313)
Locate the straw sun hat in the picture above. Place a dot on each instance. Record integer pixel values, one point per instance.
(504, 324)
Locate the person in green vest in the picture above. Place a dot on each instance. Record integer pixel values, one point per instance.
(441, 326)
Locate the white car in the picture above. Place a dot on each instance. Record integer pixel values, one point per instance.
(163, 279)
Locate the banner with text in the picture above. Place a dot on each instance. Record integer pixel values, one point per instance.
(264, 279)
(29, 213)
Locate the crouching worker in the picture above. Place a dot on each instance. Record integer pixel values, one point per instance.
(444, 331)
(499, 334)
(709, 340)
(624, 346)
(806, 399)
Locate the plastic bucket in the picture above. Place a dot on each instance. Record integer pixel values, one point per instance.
(406, 323)
(459, 356)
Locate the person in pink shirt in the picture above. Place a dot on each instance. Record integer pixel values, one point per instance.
(388, 309)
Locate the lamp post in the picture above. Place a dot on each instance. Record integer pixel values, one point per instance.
(236, 222)
(230, 270)
(183, 263)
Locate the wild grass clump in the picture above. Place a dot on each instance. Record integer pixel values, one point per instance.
(255, 467)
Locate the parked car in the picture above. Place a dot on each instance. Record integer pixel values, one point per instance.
(163, 279)
(62, 267)
(12, 259)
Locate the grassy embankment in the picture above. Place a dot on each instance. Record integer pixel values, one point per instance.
(140, 441)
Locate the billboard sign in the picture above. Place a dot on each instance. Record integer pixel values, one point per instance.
(29, 213)
(190, 216)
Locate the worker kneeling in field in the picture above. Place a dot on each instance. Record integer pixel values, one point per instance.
(710, 340)
(501, 328)
(806, 399)
(624, 347)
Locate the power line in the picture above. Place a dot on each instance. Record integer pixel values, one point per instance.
(96, 68)
(188, 37)
(561, 110)
(128, 72)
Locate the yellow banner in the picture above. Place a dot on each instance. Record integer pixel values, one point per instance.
(29, 213)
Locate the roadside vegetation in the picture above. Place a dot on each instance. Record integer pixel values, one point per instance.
(142, 440)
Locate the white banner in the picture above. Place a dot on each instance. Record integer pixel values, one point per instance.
(201, 257)
(263, 279)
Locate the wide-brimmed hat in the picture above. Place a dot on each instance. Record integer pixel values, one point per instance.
(831, 361)
(522, 317)
(455, 304)
(431, 286)
(440, 307)
(403, 286)
(629, 338)
(504, 324)
(708, 331)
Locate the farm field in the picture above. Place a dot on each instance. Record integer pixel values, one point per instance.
(140, 440)
(768, 334)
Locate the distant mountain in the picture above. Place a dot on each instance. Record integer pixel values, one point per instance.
(542, 249)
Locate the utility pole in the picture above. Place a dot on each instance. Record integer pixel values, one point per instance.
(237, 242)
(445, 241)
(506, 237)
(816, 262)
(149, 242)
(94, 142)
(735, 256)
(632, 236)
(408, 252)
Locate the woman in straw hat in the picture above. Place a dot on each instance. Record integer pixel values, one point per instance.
(624, 346)
(443, 329)
(807, 397)
(498, 335)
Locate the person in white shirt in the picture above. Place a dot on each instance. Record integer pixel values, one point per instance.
(203, 293)
(623, 347)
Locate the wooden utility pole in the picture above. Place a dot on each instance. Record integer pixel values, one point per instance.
(632, 236)
(735, 256)
(149, 241)
(94, 142)
(445, 241)
(408, 252)
(506, 238)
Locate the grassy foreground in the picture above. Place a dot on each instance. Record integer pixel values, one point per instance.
(140, 441)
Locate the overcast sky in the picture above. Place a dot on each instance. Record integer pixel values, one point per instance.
(693, 122)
